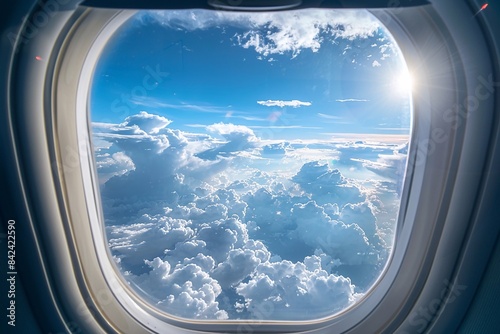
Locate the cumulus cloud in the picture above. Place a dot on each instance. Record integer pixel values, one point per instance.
(277, 150)
(238, 138)
(281, 103)
(185, 289)
(346, 242)
(391, 166)
(303, 290)
(375, 64)
(362, 215)
(223, 225)
(147, 122)
(161, 158)
(109, 165)
(241, 263)
(326, 185)
(146, 238)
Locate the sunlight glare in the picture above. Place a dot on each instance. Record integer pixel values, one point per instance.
(404, 83)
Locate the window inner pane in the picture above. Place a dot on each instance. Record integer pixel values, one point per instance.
(251, 164)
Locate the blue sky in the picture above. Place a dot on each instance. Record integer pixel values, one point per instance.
(249, 162)
(348, 84)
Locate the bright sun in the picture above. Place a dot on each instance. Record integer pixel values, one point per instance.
(403, 83)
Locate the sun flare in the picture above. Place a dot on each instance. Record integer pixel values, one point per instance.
(404, 83)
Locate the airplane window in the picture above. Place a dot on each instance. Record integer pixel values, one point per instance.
(251, 164)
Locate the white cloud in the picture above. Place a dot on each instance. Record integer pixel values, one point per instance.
(351, 100)
(375, 64)
(326, 185)
(147, 237)
(240, 264)
(185, 289)
(281, 103)
(285, 290)
(109, 165)
(390, 166)
(291, 32)
(346, 242)
(387, 49)
(271, 33)
(222, 238)
(275, 150)
(147, 122)
(161, 158)
(225, 129)
(362, 215)
(238, 138)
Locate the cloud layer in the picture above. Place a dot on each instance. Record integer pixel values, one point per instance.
(224, 225)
